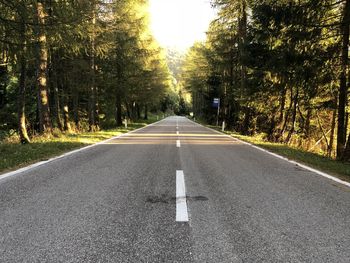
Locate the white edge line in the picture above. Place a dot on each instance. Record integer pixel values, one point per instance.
(32, 166)
(323, 174)
(181, 203)
(178, 143)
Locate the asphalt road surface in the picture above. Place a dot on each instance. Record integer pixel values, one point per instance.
(174, 191)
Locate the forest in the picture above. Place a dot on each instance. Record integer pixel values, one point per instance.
(78, 66)
(280, 68)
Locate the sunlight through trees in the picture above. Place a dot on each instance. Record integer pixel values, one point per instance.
(280, 68)
(78, 65)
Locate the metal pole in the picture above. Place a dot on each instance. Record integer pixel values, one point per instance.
(217, 117)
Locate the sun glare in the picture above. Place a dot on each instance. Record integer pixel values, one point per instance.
(179, 23)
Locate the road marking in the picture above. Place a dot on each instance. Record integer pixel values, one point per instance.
(318, 172)
(178, 144)
(181, 204)
(177, 133)
(137, 135)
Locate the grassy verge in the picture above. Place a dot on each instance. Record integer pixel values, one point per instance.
(14, 156)
(317, 161)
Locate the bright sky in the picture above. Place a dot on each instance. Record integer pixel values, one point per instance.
(179, 23)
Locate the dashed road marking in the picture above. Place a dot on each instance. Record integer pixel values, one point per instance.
(181, 204)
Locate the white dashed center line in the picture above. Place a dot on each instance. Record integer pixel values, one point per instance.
(178, 144)
(181, 204)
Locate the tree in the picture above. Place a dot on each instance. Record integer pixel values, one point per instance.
(275, 66)
(89, 55)
(343, 88)
(42, 57)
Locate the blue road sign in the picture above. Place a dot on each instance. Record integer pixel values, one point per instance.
(216, 103)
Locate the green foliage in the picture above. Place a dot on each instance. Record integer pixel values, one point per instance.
(102, 62)
(196, 79)
(275, 67)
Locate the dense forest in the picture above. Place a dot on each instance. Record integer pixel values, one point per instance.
(76, 65)
(280, 68)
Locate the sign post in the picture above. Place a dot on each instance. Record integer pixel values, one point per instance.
(216, 104)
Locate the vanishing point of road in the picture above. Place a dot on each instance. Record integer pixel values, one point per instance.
(173, 191)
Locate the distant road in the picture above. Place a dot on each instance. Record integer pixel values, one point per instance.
(174, 191)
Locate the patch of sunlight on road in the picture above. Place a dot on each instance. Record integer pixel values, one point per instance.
(174, 135)
(172, 138)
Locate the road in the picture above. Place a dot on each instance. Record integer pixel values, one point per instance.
(129, 199)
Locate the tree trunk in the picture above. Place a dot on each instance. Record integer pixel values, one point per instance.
(44, 109)
(92, 122)
(138, 111)
(3, 84)
(282, 105)
(286, 117)
(76, 109)
(294, 116)
(346, 122)
(65, 110)
(128, 112)
(91, 103)
(57, 112)
(271, 131)
(307, 127)
(246, 122)
(146, 113)
(66, 117)
(276, 128)
(242, 34)
(343, 88)
(118, 111)
(133, 111)
(22, 129)
(96, 108)
(331, 138)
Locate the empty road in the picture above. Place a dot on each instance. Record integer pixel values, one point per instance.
(174, 191)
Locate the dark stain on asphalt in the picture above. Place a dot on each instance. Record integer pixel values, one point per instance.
(157, 199)
(197, 198)
(164, 199)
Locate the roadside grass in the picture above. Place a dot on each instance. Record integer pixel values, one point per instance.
(336, 168)
(14, 155)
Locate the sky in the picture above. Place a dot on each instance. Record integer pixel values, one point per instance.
(179, 23)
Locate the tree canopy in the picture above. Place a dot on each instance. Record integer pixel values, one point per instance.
(280, 68)
(77, 65)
